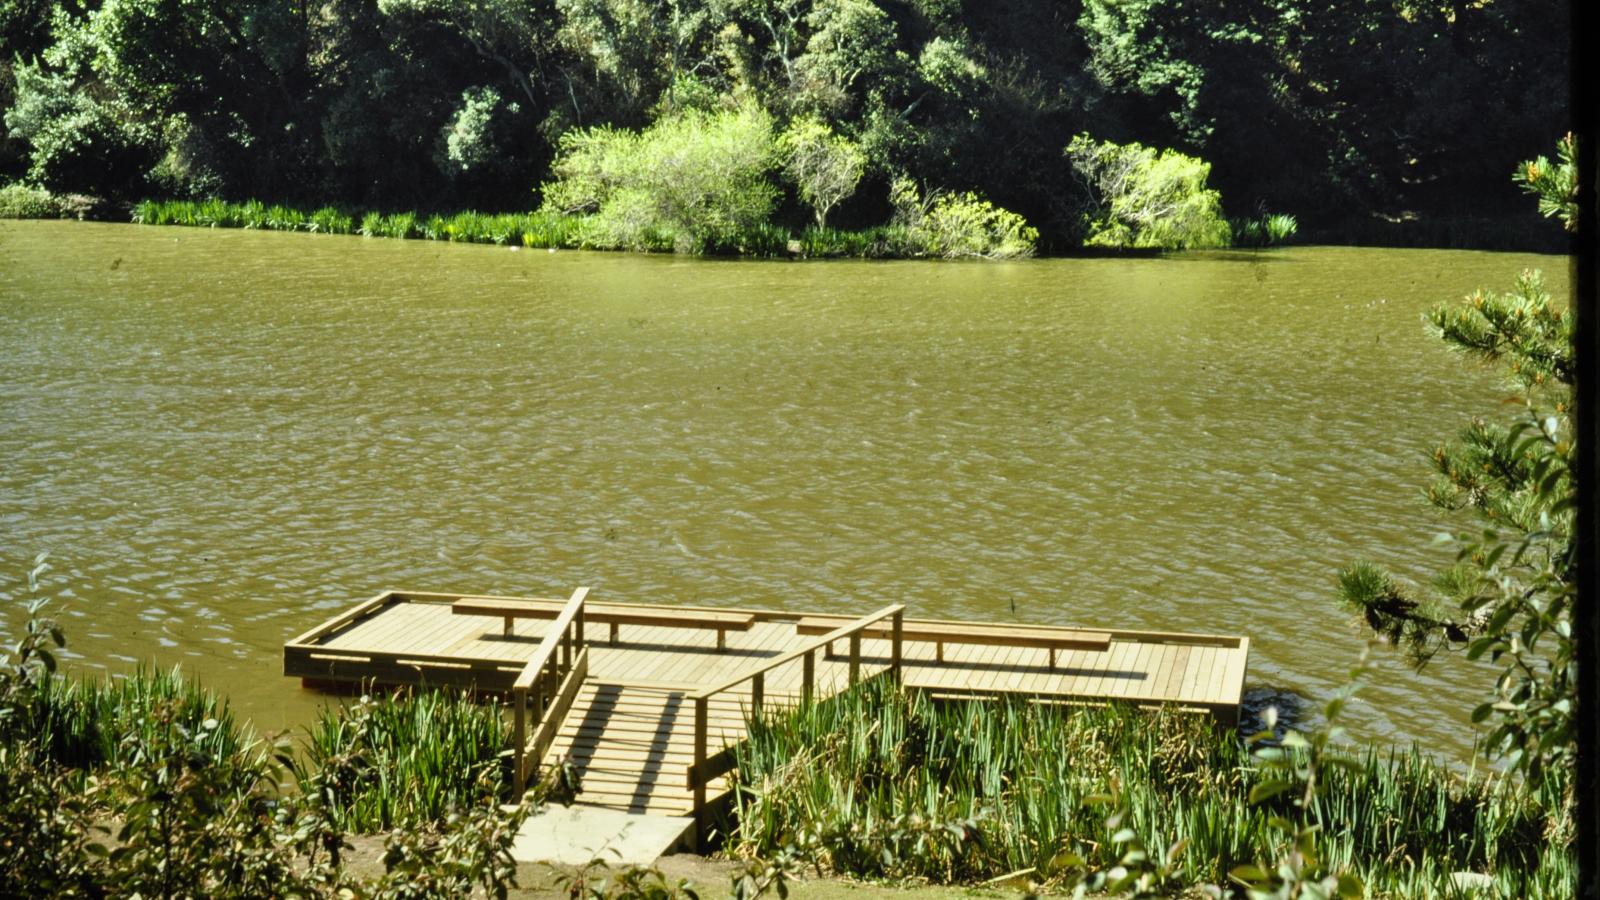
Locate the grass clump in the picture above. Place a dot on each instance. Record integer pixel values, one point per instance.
(883, 783)
(1272, 230)
(421, 755)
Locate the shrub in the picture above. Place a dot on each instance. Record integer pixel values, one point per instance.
(1144, 197)
(695, 179)
(422, 754)
(953, 226)
(21, 201)
(328, 220)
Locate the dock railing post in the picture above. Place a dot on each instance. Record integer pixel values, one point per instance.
(700, 812)
(758, 692)
(808, 675)
(855, 657)
(896, 631)
(519, 771)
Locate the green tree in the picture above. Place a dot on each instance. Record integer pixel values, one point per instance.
(823, 166)
(1511, 592)
(77, 142)
(1148, 198)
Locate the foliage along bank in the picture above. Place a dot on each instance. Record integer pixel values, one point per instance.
(888, 784)
(1388, 123)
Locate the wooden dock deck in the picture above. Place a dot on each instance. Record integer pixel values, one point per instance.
(645, 701)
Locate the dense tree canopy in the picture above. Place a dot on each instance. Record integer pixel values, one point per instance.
(1346, 115)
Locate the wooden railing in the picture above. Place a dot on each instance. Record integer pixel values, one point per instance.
(548, 684)
(706, 768)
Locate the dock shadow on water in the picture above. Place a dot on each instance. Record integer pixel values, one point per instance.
(1294, 711)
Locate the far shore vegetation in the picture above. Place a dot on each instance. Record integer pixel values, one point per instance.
(808, 112)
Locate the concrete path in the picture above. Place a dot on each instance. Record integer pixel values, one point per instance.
(574, 835)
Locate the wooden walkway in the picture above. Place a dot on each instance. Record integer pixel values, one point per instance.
(646, 701)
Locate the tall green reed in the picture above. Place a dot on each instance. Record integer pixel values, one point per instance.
(94, 724)
(421, 756)
(892, 784)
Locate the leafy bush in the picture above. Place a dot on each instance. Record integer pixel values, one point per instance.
(953, 226)
(328, 220)
(1146, 197)
(823, 166)
(693, 179)
(21, 201)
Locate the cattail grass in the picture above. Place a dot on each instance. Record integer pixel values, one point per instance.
(421, 754)
(896, 785)
(90, 725)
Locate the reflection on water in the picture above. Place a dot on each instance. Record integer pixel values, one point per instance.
(223, 437)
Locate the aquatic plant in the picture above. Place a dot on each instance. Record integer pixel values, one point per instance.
(329, 220)
(421, 756)
(1264, 231)
(893, 784)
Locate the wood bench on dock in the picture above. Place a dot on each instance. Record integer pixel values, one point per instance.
(615, 615)
(941, 633)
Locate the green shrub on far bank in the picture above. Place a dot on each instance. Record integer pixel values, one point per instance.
(697, 178)
(24, 201)
(1147, 198)
(882, 783)
(955, 226)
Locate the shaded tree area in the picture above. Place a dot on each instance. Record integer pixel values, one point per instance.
(1354, 117)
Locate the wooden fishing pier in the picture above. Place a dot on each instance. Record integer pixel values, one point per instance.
(648, 702)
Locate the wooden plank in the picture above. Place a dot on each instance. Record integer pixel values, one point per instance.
(1219, 671)
(348, 616)
(840, 633)
(556, 713)
(1142, 663)
(1202, 676)
(1094, 685)
(1105, 685)
(373, 629)
(606, 614)
(1236, 672)
(1172, 676)
(1175, 681)
(970, 633)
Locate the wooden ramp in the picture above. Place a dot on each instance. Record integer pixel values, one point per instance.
(633, 746)
(647, 701)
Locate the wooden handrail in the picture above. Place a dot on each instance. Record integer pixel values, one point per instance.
(551, 640)
(842, 631)
(565, 635)
(700, 772)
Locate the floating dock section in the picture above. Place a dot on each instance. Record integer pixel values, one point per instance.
(648, 702)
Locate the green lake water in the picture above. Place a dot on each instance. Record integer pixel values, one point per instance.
(224, 437)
